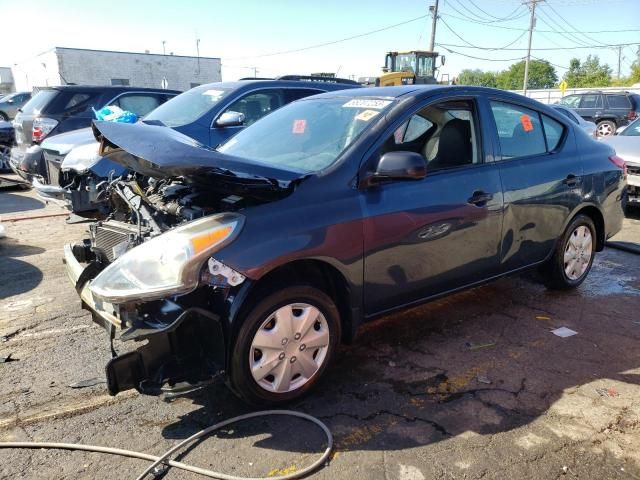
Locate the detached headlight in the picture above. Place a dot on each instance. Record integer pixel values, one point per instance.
(81, 158)
(168, 264)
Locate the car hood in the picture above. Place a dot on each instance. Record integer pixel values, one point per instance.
(63, 143)
(627, 147)
(158, 151)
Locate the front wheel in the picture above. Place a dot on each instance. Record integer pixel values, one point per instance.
(284, 345)
(573, 257)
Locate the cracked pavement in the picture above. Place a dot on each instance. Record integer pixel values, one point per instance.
(470, 386)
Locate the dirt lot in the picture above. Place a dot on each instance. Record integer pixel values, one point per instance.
(468, 387)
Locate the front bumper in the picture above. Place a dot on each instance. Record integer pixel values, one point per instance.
(184, 348)
(52, 193)
(633, 189)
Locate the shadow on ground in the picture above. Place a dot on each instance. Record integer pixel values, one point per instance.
(17, 276)
(10, 203)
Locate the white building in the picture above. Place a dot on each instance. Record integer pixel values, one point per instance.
(62, 66)
(6, 81)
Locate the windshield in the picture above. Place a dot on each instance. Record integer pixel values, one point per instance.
(306, 136)
(633, 129)
(189, 106)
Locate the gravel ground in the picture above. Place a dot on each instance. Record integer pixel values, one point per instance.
(472, 386)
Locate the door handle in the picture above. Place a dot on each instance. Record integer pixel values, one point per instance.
(571, 180)
(480, 198)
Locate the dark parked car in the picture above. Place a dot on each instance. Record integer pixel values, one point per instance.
(254, 261)
(6, 142)
(608, 110)
(209, 113)
(55, 110)
(10, 104)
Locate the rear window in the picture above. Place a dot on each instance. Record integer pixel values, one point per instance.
(39, 101)
(618, 101)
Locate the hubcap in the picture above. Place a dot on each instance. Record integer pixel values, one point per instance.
(289, 348)
(604, 130)
(4, 157)
(577, 253)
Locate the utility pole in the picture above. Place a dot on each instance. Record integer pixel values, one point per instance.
(532, 23)
(434, 11)
(619, 60)
(164, 52)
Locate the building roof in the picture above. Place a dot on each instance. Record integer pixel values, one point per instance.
(129, 53)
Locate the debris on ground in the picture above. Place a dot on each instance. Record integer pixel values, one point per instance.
(8, 359)
(472, 346)
(483, 379)
(607, 392)
(89, 382)
(564, 332)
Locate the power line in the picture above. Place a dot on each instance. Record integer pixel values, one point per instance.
(573, 38)
(333, 42)
(477, 18)
(570, 25)
(550, 63)
(471, 45)
(540, 48)
(501, 19)
(480, 58)
(545, 31)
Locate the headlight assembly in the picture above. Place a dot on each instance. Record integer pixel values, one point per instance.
(168, 264)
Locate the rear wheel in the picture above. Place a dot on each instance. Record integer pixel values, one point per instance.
(4, 117)
(606, 128)
(284, 345)
(573, 257)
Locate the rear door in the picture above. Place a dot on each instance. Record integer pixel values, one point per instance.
(620, 106)
(541, 174)
(426, 237)
(590, 107)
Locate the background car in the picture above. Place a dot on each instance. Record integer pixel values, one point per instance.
(11, 103)
(608, 110)
(6, 142)
(54, 110)
(588, 127)
(627, 146)
(208, 113)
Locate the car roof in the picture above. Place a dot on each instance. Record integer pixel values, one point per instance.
(249, 84)
(108, 88)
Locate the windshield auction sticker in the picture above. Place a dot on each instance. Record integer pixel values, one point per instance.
(299, 126)
(366, 103)
(213, 93)
(366, 115)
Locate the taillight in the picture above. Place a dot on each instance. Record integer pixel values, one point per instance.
(41, 128)
(618, 162)
(632, 115)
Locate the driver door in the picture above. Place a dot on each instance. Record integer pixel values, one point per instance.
(426, 237)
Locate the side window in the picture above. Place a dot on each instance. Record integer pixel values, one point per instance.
(519, 130)
(591, 101)
(571, 100)
(553, 132)
(138, 103)
(256, 105)
(619, 101)
(79, 102)
(293, 94)
(443, 133)
(411, 130)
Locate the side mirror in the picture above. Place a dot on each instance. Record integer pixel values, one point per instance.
(230, 119)
(401, 165)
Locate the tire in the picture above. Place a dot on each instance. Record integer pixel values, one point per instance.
(4, 117)
(559, 272)
(267, 366)
(606, 128)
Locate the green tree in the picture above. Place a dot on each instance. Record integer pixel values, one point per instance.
(588, 73)
(477, 77)
(541, 75)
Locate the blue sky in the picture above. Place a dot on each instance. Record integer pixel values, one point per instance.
(242, 32)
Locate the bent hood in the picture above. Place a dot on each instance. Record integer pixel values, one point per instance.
(158, 151)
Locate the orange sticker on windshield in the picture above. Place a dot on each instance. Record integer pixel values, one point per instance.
(299, 126)
(525, 120)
